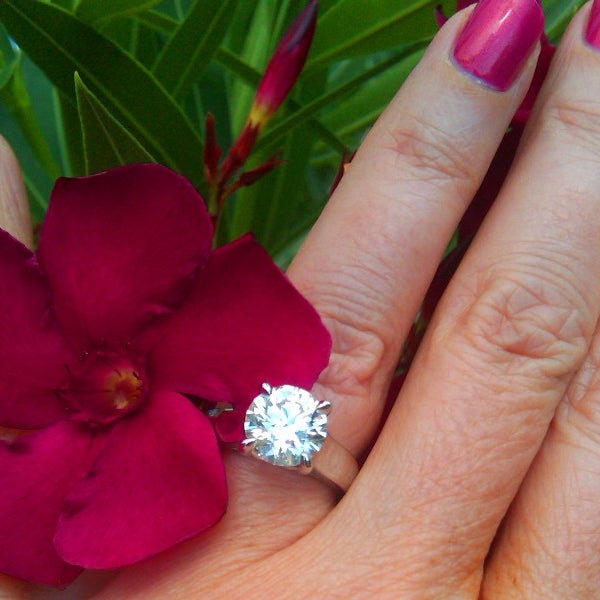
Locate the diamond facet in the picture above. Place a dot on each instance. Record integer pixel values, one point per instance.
(286, 425)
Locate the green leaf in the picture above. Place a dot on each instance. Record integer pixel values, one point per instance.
(193, 45)
(366, 103)
(559, 14)
(60, 44)
(355, 27)
(37, 203)
(69, 135)
(106, 143)
(67, 4)
(157, 21)
(332, 96)
(96, 12)
(15, 96)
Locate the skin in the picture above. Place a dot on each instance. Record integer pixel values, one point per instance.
(485, 480)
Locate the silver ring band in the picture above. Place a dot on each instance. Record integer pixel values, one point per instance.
(334, 464)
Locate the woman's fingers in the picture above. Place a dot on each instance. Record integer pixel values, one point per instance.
(549, 544)
(369, 260)
(14, 209)
(511, 331)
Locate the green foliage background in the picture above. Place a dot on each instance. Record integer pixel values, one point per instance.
(89, 84)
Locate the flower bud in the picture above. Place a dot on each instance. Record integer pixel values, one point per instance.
(285, 66)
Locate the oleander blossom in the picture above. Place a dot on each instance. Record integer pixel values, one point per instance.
(109, 336)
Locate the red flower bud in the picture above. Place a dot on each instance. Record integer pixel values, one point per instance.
(248, 178)
(212, 150)
(285, 66)
(252, 176)
(239, 152)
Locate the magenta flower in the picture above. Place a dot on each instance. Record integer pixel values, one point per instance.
(123, 317)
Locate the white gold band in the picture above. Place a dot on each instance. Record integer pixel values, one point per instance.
(334, 464)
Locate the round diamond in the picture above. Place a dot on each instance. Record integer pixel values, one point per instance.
(286, 425)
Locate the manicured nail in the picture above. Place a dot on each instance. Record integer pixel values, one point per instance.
(593, 30)
(498, 39)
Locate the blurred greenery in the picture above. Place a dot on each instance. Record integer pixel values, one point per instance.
(89, 84)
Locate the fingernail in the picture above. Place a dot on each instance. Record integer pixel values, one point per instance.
(498, 39)
(593, 30)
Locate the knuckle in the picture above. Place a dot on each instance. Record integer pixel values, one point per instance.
(350, 307)
(527, 321)
(429, 152)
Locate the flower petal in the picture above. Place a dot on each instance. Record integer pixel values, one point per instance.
(120, 248)
(244, 324)
(33, 353)
(37, 470)
(159, 480)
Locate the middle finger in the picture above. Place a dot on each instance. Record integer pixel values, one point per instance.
(511, 331)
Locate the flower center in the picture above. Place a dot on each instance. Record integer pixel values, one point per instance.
(106, 386)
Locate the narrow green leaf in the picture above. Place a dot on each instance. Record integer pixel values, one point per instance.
(60, 44)
(362, 108)
(241, 69)
(559, 14)
(158, 21)
(286, 255)
(193, 44)
(68, 4)
(355, 27)
(69, 135)
(332, 96)
(106, 143)
(96, 12)
(290, 199)
(282, 23)
(15, 96)
(37, 203)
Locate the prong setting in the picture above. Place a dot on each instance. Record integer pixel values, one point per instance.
(286, 426)
(324, 406)
(247, 445)
(305, 465)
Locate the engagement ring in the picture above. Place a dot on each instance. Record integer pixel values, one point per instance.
(287, 426)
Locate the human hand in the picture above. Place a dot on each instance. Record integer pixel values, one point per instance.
(485, 480)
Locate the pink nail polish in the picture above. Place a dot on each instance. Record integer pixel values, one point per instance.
(592, 35)
(498, 39)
